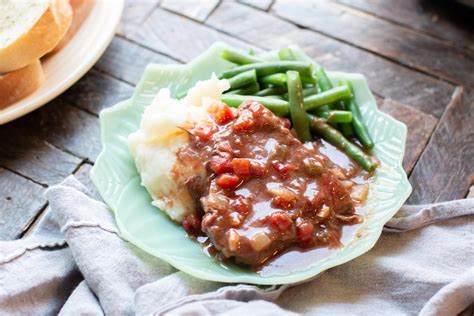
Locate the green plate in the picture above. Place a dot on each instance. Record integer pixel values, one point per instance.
(142, 224)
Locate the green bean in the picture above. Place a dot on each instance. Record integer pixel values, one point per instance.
(239, 58)
(324, 84)
(271, 67)
(360, 129)
(306, 92)
(338, 116)
(309, 80)
(272, 91)
(274, 80)
(335, 94)
(286, 54)
(346, 129)
(247, 90)
(276, 96)
(323, 81)
(243, 79)
(334, 137)
(280, 80)
(297, 110)
(279, 107)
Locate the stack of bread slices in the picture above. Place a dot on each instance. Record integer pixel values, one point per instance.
(30, 30)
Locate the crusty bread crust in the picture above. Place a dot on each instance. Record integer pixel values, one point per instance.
(80, 11)
(19, 83)
(40, 39)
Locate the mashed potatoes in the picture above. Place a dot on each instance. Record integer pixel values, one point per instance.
(161, 134)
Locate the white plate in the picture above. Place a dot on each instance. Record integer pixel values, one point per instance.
(68, 65)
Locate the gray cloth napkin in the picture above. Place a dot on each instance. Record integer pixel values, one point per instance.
(75, 263)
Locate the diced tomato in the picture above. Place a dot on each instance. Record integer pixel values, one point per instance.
(257, 168)
(220, 164)
(223, 114)
(280, 221)
(282, 202)
(241, 205)
(244, 122)
(241, 167)
(228, 181)
(204, 131)
(304, 232)
(282, 168)
(256, 109)
(225, 147)
(192, 224)
(286, 122)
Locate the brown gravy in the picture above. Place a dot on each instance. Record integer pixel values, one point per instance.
(268, 197)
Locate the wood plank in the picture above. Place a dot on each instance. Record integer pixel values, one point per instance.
(97, 91)
(134, 13)
(444, 20)
(22, 151)
(66, 127)
(20, 201)
(445, 170)
(164, 32)
(420, 127)
(194, 9)
(385, 78)
(398, 43)
(259, 4)
(82, 174)
(127, 60)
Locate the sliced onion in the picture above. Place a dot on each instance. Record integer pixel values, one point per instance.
(260, 241)
(360, 192)
(233, 240)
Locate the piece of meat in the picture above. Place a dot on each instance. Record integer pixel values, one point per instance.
(266, 191)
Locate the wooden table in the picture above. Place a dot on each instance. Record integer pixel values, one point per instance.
(417, 56)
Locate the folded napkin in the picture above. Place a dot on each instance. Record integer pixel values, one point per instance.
(76, 263)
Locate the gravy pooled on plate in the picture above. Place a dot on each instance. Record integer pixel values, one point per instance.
(264, 192)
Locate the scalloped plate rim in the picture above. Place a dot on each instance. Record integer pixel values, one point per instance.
(312, 271)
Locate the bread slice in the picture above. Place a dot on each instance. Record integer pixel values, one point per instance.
(80, 11)
(30, 29)
(19, 83)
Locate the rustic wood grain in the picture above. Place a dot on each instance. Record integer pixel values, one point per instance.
(22, 151)
(82, 175)
(20, 201)
(398, 43)
(443, 20)
(176, 36)
(127, 60)
(134, 13)
(194, 9)
(66, 127)
(97, 91)
(259, 4)
(379, 100)
(446, 168)
(420, 127)
(385, 78)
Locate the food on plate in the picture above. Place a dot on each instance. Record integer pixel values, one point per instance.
(80, 11)
(30, 29)
(268, 158)
(162, 133)
(19, 83)
(265, 191)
